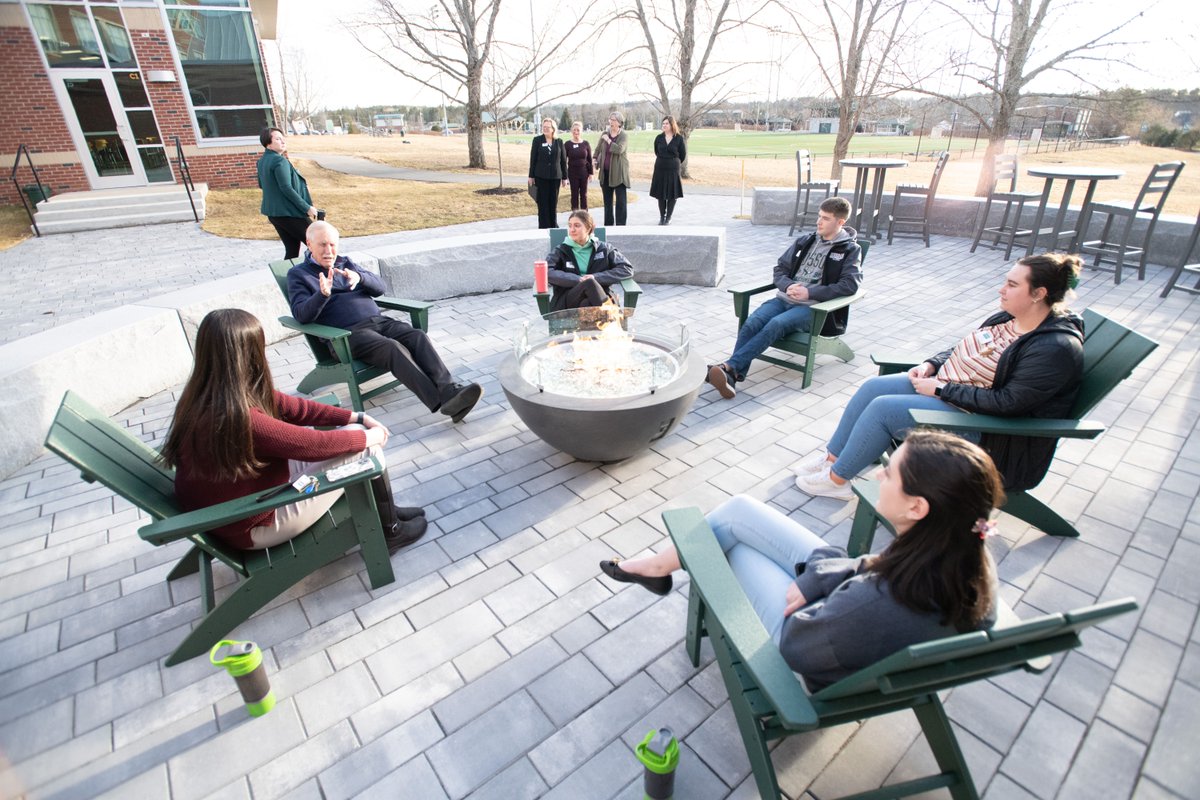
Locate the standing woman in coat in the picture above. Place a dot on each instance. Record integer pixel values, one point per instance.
(612, 161)
(670, 152)
(548, 170)
(579, 167)
(285, 201)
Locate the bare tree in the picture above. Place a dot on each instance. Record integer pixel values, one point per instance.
(447, 48)
(862, 35)
(676, 49)
(1013, 37)
(301, 92)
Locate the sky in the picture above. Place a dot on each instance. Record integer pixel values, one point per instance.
(1165, 40)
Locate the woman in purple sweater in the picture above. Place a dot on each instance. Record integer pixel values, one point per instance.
(579, 167)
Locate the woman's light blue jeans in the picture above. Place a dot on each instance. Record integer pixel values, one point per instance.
(877, 414)
(763, 547)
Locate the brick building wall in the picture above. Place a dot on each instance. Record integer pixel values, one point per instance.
(33, 117)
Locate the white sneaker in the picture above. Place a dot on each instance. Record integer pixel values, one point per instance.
(813, 462)
(821, 485)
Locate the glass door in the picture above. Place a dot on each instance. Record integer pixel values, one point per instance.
(98, 124)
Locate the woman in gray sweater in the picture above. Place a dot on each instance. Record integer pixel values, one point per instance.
(832, 615)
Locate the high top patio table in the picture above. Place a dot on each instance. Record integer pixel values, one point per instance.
(859, 196)
(1092, 175)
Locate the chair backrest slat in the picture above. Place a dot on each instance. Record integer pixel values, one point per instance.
(1159, 182)
(1110, 353)
(803, 167)
(938, 169)
(1005, 170)
(113, 456)
(559, 235)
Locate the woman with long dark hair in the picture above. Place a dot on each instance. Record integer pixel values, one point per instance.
(832, 615)
(233, 435)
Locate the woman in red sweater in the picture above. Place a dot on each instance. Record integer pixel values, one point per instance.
(234, 435)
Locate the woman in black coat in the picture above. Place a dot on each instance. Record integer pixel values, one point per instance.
(548, 169)
(670, 152)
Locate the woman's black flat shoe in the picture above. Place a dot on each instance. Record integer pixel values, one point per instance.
(660, 586)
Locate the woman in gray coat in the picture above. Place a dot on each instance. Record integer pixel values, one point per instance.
(612, 164)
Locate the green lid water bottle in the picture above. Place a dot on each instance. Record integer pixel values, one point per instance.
(659, 754)
(244, 662)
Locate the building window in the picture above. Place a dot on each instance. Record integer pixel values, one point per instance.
(65, 33)
(222, 71)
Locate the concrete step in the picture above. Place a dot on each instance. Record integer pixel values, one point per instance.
(109, 208)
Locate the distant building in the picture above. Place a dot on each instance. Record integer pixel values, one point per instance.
(97, 92)
(823, 125)
(389, 123)
(513, 122)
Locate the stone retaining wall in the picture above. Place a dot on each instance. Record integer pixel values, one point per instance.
(481, 263)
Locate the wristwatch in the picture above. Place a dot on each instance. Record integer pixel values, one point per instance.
(937, 390)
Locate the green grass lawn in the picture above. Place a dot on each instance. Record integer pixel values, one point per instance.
(756, 144)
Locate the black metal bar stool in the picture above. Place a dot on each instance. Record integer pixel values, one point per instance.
(1149, 202)
(805, 186)
(1005, 169)
(914, 220)
(1184, 266)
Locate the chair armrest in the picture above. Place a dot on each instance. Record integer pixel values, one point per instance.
(1009, 426)
(891, 363)
(837, 302)
(543, 302)
(418, 310)
(741, 299)
(338, 338)
(726, 602)
(205, 519)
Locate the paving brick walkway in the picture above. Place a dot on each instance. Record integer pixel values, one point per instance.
(500, 664)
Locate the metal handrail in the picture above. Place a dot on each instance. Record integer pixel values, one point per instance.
(13, 175)
(188, 185)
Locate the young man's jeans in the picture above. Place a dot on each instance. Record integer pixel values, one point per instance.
(769, 323)
(763, 547)
(877, 414)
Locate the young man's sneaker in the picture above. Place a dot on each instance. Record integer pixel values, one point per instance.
(821, 485)
(813, 463)
(722, 381)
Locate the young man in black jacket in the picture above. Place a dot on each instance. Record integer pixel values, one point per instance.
(816, 267)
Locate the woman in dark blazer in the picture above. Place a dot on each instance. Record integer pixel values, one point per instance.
(670, 152)
(548, 170)
(579, 166)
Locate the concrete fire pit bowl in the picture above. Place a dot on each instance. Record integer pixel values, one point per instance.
(642, 401)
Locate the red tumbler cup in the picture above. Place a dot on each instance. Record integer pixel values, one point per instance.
(540, 281)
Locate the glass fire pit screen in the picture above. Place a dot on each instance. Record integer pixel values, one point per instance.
(595, 353)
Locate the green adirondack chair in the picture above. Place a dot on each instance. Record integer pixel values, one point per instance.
(805, 345)
(331, 346)
(1110, 353)
(629, 287)
(770, 702)
(111, 455)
